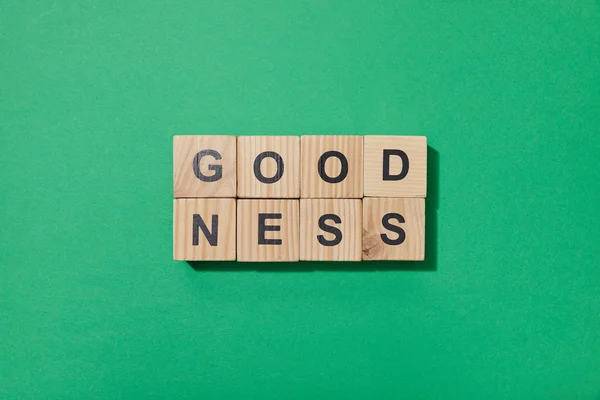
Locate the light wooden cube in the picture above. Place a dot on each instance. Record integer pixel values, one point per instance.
(204, 166)
(393, 229)
(332, 167)
(267, 230)
(330, 229)
(268, 166)
(204, 229)
(395, 166)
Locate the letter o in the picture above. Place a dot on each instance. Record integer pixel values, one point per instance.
(343, 161)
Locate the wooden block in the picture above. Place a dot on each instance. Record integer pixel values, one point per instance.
(395, 166)
(204, 166)
(204, 229)
(267, 230)
(332, 167)
(393, 229)
(268, 166)
(330, 229)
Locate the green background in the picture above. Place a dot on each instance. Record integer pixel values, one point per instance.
(91, 303)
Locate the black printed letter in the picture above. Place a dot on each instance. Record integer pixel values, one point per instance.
(343, 161)
(385, 221)
(262, 228)
(277, 159)
(199, 224)
(330, 229)
(386, 164)
(217, 168)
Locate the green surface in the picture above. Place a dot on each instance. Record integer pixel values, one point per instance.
(91, 304)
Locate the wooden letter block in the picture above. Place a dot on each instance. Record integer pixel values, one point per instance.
(267, 230)
(394, 229)
(204, 229)
(268, 166)
(332, 167)
(395, 166)
(204, 166)
(330, 229)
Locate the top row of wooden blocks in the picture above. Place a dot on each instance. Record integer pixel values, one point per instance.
(299, 166)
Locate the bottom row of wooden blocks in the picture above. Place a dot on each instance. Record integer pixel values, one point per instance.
(305, 229)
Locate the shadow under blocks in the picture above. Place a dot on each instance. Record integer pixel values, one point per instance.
(431, 243)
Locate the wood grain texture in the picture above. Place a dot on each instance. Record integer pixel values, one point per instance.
(312, 185)
(414, 184)
(288, 184)
(412, 210)
(350, 213)
(185, 181)
(184, 227)
(284, 229)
